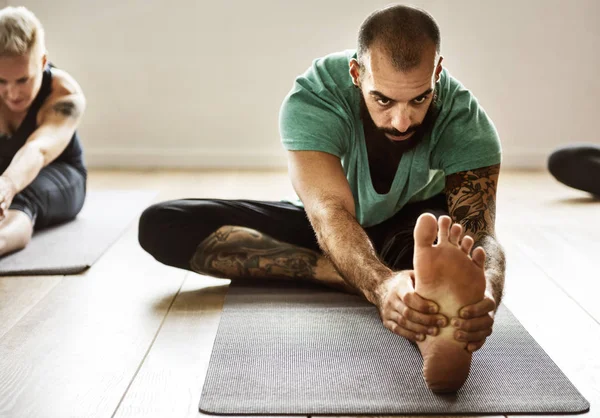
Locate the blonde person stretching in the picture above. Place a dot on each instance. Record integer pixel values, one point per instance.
(43, 176)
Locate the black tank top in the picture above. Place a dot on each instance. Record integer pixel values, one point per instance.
(9, 145)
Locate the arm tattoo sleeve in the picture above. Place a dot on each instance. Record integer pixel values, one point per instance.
(471, 197)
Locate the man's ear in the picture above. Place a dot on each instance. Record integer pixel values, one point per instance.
(438, 69)
(355, 72)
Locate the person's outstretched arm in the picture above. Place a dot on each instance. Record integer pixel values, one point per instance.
(320, 182)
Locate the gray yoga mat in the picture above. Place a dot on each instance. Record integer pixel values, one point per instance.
(310, 351)
(73, 247)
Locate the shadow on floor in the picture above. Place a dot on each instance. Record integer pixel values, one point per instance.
(209, 297)
(582, 200)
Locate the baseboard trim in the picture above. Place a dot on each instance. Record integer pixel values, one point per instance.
(180, 158)
(245, 158)
(526, 159)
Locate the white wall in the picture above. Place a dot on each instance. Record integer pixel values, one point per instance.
(198, 83)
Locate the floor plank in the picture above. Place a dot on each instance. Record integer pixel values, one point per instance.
(586, 239)
(536, 198)
(564, 262)
(170, 381)
(75, 353)
(18, 295)
(564, 330)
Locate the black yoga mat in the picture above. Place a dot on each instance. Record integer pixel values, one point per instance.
(309, 351)
(73, 247)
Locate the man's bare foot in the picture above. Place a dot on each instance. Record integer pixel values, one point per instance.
(446, 274)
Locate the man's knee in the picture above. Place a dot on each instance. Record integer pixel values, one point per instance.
(571, 162)
(152, 227)
(170, 231)
(397, 251)
(560, 161)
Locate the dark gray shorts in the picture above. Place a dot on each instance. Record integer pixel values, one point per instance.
(55, 196)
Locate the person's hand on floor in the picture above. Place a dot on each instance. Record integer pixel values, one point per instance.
(475, 322)
(7, 194)
(404, 312)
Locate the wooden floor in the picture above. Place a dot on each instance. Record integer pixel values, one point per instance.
(132, 338)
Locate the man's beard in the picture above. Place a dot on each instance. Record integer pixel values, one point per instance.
(375, 133)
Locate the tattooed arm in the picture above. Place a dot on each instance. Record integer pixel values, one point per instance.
(321, 183)
(471, 197)
(57, 120)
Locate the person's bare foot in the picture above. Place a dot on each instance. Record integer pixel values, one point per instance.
(446, 274)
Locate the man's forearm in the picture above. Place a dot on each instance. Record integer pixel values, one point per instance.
(350, 250)
(495, 266)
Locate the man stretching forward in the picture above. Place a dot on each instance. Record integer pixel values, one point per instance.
(381, 141)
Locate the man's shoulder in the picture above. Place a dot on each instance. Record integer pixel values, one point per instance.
(337, 59)
(449, 88)
(463, 136)
(454, 101)
(327, 85)
(330, 71)
(321, 110)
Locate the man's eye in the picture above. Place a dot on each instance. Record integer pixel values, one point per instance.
(420, 100)
(22, 81)
(383, 102)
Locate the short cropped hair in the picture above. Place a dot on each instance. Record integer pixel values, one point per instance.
(403, 31)
(20, 32)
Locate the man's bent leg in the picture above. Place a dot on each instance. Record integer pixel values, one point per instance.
(577, 166)
(236, 239)
(240, 253)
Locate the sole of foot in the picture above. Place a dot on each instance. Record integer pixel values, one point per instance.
(447, 273)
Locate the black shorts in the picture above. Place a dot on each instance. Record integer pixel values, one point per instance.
(55, 196)
(171, 231)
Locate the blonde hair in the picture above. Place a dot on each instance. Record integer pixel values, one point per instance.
(20, 32)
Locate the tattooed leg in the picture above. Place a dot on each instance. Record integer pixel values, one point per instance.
(446, 274)
(236, 253)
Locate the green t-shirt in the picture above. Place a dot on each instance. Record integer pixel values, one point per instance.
(322, 113)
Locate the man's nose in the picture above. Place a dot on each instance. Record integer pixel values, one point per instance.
(401, 120)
